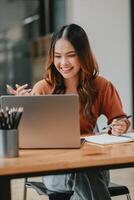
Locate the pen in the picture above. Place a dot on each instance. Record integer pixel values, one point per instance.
(118, 119)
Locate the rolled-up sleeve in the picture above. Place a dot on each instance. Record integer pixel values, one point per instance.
(111, 103)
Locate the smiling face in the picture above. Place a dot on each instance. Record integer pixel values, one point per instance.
(66, 60)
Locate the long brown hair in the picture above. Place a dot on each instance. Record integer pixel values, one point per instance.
(89, 67)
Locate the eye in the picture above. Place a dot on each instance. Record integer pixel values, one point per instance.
(71, 55)
(57, 56)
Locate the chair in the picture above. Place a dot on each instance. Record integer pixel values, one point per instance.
(40, 188)
(117, 190)
(114, 190)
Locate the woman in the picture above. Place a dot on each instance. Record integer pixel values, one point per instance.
(72, 68)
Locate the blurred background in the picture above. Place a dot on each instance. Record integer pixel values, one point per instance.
(25, 27)
(25, 32)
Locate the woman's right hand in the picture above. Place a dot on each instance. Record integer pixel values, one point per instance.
(20, 90)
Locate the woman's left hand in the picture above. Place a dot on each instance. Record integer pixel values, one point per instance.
(119, 126)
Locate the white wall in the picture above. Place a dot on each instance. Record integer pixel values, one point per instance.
(107, 24)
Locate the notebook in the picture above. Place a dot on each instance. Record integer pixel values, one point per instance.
(110, 139)
(50, 121)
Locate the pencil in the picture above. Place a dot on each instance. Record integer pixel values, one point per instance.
(10, 118)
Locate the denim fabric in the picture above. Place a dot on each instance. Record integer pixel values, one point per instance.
(89, 185)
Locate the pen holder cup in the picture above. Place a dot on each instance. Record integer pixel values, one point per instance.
(9, 144)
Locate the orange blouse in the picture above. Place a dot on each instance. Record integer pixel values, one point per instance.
(107, 102)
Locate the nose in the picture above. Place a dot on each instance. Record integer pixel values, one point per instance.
(64, 61)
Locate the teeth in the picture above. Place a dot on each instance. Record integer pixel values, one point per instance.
(66, 69)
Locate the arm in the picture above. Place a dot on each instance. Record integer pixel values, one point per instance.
(112, 108)
(40, 88)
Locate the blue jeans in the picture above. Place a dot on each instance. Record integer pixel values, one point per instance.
(89, 185)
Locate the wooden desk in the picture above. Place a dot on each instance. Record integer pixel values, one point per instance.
(41, 162)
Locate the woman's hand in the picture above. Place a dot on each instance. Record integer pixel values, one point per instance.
(19, 90)
(119, 126)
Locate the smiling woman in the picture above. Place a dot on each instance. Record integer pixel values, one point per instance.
(72, 68)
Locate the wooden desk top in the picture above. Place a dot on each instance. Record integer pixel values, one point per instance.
(90, 155)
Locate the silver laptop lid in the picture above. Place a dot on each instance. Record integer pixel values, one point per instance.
(50, 121)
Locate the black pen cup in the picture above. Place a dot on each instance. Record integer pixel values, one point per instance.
(9, 143)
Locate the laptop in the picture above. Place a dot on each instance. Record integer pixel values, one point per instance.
(50, 121)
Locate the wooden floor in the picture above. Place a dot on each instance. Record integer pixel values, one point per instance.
(123, 176)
